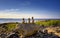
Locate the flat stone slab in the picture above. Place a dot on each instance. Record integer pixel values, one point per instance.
(28, 28)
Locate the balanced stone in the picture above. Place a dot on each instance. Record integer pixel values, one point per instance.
(23, 20)
(28, 20)
(32, 19)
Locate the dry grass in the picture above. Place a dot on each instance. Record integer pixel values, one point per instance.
(53, 29)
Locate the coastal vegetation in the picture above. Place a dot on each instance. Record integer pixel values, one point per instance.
(11, 26)
(8, 27)
(48, 22)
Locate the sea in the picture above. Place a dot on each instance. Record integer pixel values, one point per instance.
(7, 20)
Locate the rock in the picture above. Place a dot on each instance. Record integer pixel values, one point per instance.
(28, 29)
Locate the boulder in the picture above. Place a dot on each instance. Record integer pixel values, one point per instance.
(27, 29)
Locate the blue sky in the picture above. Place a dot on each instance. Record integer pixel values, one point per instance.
(29, 8)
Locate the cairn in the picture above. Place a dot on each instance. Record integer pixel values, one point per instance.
(28, 20)
(32, 19)
(23, 20)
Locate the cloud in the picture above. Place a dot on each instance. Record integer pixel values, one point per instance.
(15, 13)
(9, 11)
(9, 15)
(25, 3)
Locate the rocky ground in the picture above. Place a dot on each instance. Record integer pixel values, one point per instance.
(49, 32)
(55, 30)
(43, 32)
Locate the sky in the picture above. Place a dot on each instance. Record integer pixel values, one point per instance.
(29, 8)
